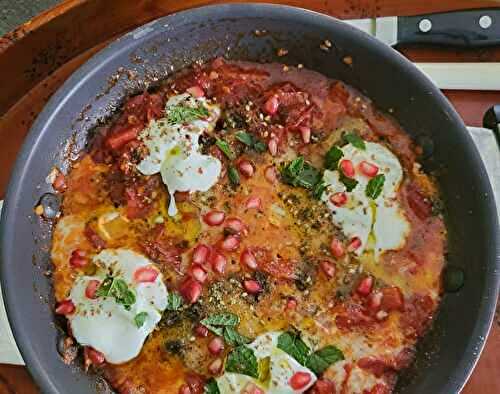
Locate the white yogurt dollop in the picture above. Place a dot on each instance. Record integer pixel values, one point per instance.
(380, 224)
(105, 324)
(174, 149)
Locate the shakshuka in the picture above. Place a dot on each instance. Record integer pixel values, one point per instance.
(247, 228)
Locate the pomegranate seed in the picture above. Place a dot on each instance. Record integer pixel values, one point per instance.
(251, 388)
(252, 286)
(248, 259)
(338, 199)
(230, 243)
(354, 244)
(214, 218)
(195, 91)
(271, 105)
(368, 169)
(190, 290)
(65, 307)
(246, 168)
(270, 174)
(365, 286)
(219, 262)
(347, 168)
(198, 273)
(328, 269)
(375, 301)
(78, 259)
(235, 225)
(336, 248)
(272, 146)
(201, 331)
(184, 389)
(91, 288)
(146, 274)
(216, 345)
(200, 254)
(215, 366)
(92, 356)
(305, 133)
(291, 304)
(299, 380)
(254, 203)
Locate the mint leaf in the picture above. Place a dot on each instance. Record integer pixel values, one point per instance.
(140, 319)
(300, 173)
(233, 175)
(355, 140)
(178, 114)
(245, 138)
(242, 360)
(349, 183)
(375, 186)
(211, 387)
(225, 148)
(320, 360)
(222, 319)
(174, 301)
(318, 190)
(234, 338)
(333, 157)
(291, 343)
(259, 146)
(104, 288)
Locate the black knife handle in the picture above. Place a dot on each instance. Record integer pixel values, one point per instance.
(491, 120)
(471, 28)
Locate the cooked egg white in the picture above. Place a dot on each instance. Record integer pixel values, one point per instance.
(106, 325)
(380, 224)
(282, 367)
(174, 152)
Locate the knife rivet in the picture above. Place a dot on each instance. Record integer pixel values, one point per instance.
(425, 25)
(485, 21)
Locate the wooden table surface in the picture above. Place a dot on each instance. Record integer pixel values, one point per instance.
(36, 58)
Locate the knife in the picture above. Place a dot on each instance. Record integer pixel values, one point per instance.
(466, 29)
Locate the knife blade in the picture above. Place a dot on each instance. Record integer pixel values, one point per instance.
(469, 28)
(475, 31)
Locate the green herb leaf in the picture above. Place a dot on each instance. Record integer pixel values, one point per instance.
(234, 338)
(140, 319)
(225, 148)
(222, 319)
(349, 183)
(355, 140)
(251, 141)
(375, 186)
(300, 173)
(291, 343)
(320, 360)
(233, 175)
(318, 190)
(103, 289)
(333, 157)
(211, 387)
(179, 114)
(174, 301)
(245, 138)
(259, 146)
(242, 360)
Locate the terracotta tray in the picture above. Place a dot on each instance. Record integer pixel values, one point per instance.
(37, 57)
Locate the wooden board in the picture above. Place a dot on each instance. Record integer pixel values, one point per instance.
(37, 57)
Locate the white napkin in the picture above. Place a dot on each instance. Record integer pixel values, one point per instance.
(488, 149)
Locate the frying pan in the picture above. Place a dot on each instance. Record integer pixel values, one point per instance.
(136, 61)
